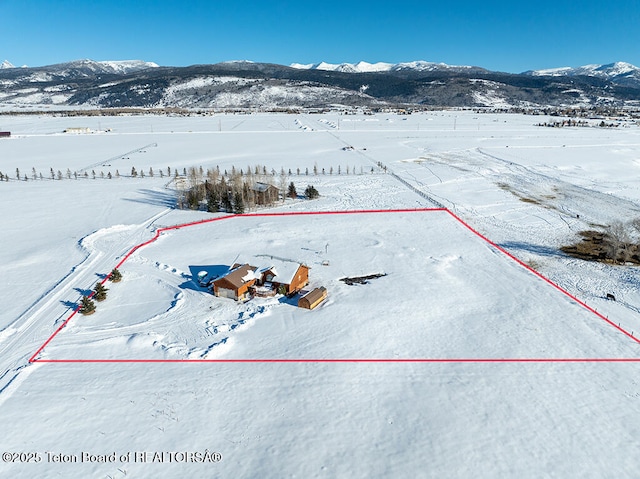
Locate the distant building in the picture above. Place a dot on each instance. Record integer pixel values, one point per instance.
(265, 194)
(5, 134)
(313, 298)
(77, 130)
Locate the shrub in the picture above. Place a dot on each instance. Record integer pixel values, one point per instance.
(87, 306)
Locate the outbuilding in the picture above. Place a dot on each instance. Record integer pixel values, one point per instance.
(77, 130)
(265, 193)
(5, 134)
(313, 298)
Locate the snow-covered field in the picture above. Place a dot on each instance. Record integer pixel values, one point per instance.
(447, 295)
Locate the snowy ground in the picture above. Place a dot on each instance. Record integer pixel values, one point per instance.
(447, 294)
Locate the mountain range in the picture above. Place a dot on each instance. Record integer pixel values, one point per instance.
(249, 85)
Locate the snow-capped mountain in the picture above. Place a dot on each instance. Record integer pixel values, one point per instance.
(113, 67)
(365, 67)
(6, 64)
(249, 85)
(360, 67)
(619, 72)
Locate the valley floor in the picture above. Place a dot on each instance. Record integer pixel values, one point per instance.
(446, 295)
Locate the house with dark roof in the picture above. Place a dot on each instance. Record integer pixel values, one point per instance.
(236, 283)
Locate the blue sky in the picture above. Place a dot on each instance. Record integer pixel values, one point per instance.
(510, 36)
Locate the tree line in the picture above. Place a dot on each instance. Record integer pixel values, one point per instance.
(168, 172)
(236, 191)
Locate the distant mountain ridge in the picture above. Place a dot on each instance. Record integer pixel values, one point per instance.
(364, 67)
(119, 67)
(252, 85)
(618, 72)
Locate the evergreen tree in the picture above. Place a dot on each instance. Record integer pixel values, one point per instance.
(238, 203)
(100, 292)
(115, 276)
(292, 193)
(193, 198)
(224, 196)
(311, 193)
(134, 173)
(213, 200)
(87, 306)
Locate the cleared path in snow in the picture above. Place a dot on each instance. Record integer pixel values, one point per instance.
(33, 327)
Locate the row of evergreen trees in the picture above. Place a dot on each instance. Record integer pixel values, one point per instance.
(87, 305)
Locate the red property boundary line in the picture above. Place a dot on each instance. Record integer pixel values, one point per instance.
(499, 248)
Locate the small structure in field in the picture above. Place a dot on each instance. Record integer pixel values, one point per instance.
(77, 130)
(5, 134)
(265, 193)
(313, 298)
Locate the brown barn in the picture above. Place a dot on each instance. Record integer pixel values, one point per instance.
(236, 284)
(265, 194)
(313, 298)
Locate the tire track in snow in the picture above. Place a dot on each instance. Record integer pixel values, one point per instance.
(32, 327)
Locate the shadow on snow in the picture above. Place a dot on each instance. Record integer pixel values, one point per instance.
(213, 271)
(155, 198)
